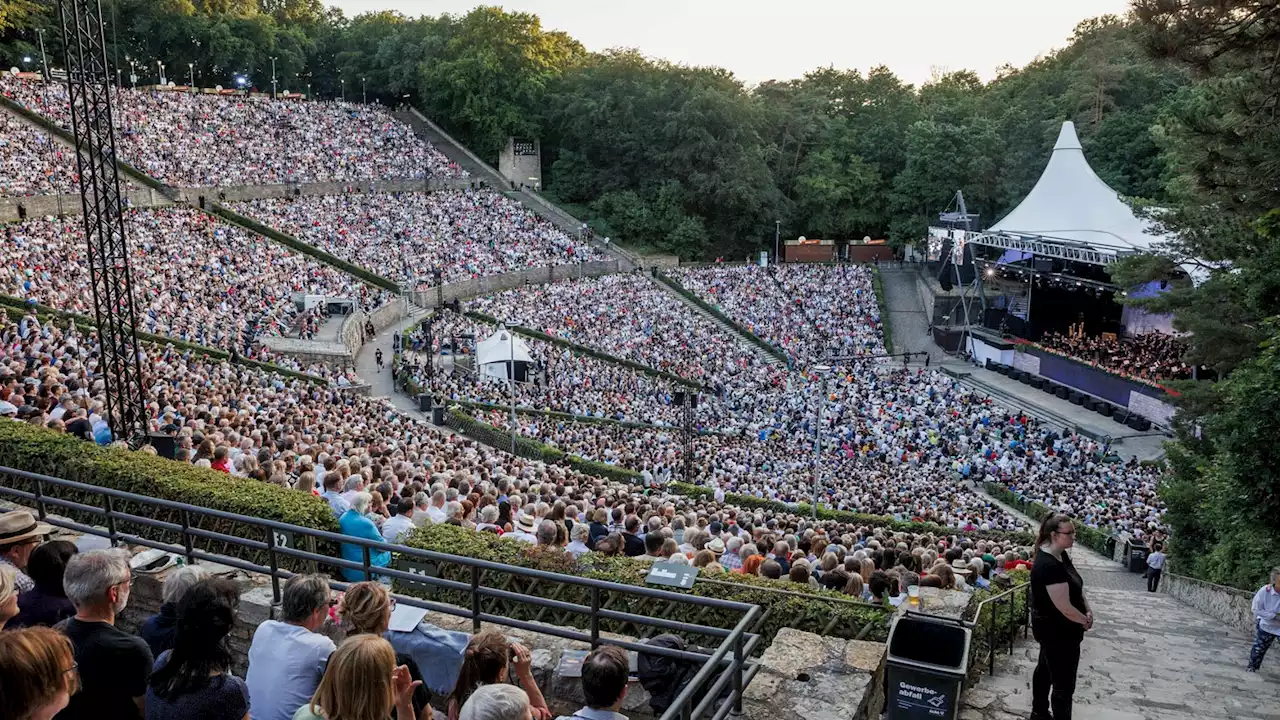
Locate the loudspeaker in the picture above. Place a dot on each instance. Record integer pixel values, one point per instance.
(681, 397)
(678, 399)
(165, 445)
(945, 273)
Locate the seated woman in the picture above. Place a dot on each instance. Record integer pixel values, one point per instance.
(363, 681)
(366, 610)
(46, 604)
(486, 663)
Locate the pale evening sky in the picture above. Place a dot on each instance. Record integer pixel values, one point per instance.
(772, 39)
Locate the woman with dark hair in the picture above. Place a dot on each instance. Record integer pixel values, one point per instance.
(485, 663)
(47, 603)
(1059, 618)
(193, 681)
(504, 516)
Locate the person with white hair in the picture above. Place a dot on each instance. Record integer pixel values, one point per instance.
(160, 629)
(355, 523)
(113, 665)
(500, 701)
(578, 539)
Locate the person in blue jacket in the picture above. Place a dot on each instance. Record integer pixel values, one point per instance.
(354, 523)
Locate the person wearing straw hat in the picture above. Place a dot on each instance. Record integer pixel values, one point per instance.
(20, 533)
(964, 575)
(524, 529)
(716, 546)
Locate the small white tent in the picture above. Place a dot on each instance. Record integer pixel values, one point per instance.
(495, 354)
(1070, 202)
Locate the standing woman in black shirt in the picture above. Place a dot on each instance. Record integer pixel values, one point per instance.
(1060, 617)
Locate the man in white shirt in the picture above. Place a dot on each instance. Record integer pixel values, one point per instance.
(1155, 566)
(435, 513)
(287, 657)
(400, 525)
(1266, 607)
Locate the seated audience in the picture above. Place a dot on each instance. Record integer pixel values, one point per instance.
(362, 682)
(605, 674)
(287, 657)
(160, 629)
(194, 680)
(38, 673)
(366, 610)
(497, 702)
(46, 603)
(486, 662)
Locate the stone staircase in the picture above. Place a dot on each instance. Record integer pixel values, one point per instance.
(728, 329)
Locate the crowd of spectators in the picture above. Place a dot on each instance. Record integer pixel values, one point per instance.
(195, 139)
(407, 237)
(32, 163)
(194, 279)
(1150, 357)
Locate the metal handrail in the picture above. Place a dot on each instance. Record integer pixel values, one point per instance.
(730, 658)
(1005, 598)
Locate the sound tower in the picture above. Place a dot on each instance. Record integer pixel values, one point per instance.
(947, 270)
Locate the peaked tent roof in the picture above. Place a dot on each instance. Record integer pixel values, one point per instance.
(498, 348)
(1071, 203)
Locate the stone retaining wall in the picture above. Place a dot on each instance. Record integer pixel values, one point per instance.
(475, 287)
(1229, 605)
(13, 209)
(236, 193)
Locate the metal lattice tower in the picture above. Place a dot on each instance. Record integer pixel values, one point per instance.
(89, 94)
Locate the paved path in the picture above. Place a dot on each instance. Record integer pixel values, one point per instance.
(380, 383)
(1149, 657)
(907, 318)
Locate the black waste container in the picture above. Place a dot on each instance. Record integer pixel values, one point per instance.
(925, 667)
(425, 401)
(437, 415)
(1137, 552)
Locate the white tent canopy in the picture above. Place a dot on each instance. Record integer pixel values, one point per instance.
(1071, 203)
(495, 352)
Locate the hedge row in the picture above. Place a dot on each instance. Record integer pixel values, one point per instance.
(1098, 540)
(489, 435)
(818, 611)
(53, 128)
(44, 313)
(584, 350)
(845, 516)
(252, 225)
(878, 284)
(39, 450)
(715, 311)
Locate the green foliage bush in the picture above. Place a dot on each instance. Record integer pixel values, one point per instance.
(844, 516)
(1094, 538)
(40, 450)
(719, 315)
(994, 622)
(584, 350)
(819, 611)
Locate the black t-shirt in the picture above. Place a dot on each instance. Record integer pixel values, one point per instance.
(114, 668)
(1048, 570)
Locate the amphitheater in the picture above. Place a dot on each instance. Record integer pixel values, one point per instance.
(348, 300)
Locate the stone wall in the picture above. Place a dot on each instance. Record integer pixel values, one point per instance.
(1229, 605)
(508, 281)
(234, 193)
(12, 209)
(806, 676)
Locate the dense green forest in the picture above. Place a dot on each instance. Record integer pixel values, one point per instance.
(1176, 106)
(679, 159)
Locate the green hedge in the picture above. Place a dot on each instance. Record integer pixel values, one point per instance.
(489, 435)
(715, 311)
(39, 450)
(584, 350)
(818, 611)
(1094, 538)
(845, 516)
(255, 226)
(44, 313)
(878, 283)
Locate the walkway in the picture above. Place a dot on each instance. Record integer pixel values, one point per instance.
(906, 316)
(380, 383)
(1149, 657)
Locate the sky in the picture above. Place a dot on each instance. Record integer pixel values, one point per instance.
(783, 39)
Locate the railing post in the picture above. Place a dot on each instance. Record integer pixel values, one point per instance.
(475, 599)
(368, 575)
(111, 519)
(275, 570)
(595, 617)
(991, 642)
(737, 677)
(186, 537)
(1013, 629)
(40, 499)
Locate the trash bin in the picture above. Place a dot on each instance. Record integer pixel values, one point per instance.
(437, 415)
(925, 667)
(425, 401)
(1137, 553)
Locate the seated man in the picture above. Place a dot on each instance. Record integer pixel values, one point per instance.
(605, 673)
(287, 657)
